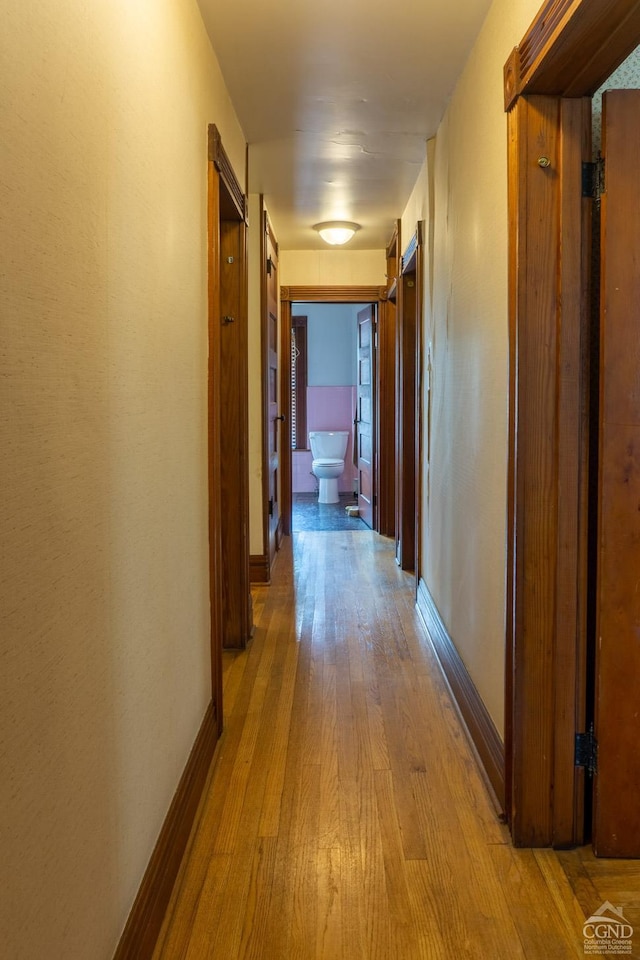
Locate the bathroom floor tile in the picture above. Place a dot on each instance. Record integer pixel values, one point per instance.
(308, 514)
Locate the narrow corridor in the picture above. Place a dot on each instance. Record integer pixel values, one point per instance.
(345, 815)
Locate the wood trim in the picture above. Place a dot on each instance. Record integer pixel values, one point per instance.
(532, 544)
(546, 583)
(300, 325)
(408, 405)
(259, 568)
(234, 442)
(214, 432)
(393, 246)
(418, 261)
(386, 420)
(409, 257)
(218, 156)
(476, 718)
(147, 914)
(231, 608)
(573, 468)
(264, 370)
(333, 294)
(286, 459)
(572, 47)
(385, 482)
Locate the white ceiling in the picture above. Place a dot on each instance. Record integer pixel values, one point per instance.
(337, 99)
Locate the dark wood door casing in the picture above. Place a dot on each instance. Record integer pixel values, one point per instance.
(386, 393)
(547, 481)
(365, 414)
(569, 50)
(275, 430)
(228, 403)
(616, 828)
(214, 428)
(408, 407)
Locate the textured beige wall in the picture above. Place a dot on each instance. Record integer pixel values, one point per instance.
(103, 343)
(465, 330)
(332, 267)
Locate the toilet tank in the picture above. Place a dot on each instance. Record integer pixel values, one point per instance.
(329, 444)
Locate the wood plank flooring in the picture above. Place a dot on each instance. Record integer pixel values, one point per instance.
(345, 817)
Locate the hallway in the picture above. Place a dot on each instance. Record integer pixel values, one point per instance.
(345, 815)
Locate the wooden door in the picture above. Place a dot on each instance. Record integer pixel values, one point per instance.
(406, 507)
(234, 453)
(616, 826)
(275, 435)
(364, 416)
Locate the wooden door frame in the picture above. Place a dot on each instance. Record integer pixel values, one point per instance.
(372, 316)
(226, 203)
(411, 262)
(386, 389)
(550, 77)
(261, 565)
(309, 294)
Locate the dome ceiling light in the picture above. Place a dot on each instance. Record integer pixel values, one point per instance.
(336, 232)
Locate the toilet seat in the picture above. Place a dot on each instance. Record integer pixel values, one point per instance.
(327, 462)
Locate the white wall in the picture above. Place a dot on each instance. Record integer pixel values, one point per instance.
(466, 340)
(104, 603)
(329, 267)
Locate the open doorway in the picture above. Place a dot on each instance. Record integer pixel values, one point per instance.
(326, 371)
(342, 376)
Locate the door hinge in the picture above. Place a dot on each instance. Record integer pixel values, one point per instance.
(586, 751)
(593, 179)
(269, 266)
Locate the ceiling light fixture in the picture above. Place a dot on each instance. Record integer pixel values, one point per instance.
(336, 232)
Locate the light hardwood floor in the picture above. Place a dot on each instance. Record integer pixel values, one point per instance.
(345, 817)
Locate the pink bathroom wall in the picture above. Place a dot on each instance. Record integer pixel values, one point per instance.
(328, 408)
(303, 480)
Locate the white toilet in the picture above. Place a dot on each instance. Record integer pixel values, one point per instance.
(328, 448)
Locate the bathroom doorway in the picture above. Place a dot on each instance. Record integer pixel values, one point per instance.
(324, 397)
(301, 301)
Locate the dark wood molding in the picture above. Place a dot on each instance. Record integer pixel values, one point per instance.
(218, 156)
(385, 479)
(480, 726)
(532, 543)
(572, 47)
(264, 368)
(286, 459)
(216, 572)
(147, 914)
(548, 442)
(568, 52)
(573, 471)
(259, 568)
(299, 324)
(409, 257)
(333, 294)
(408, 405)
